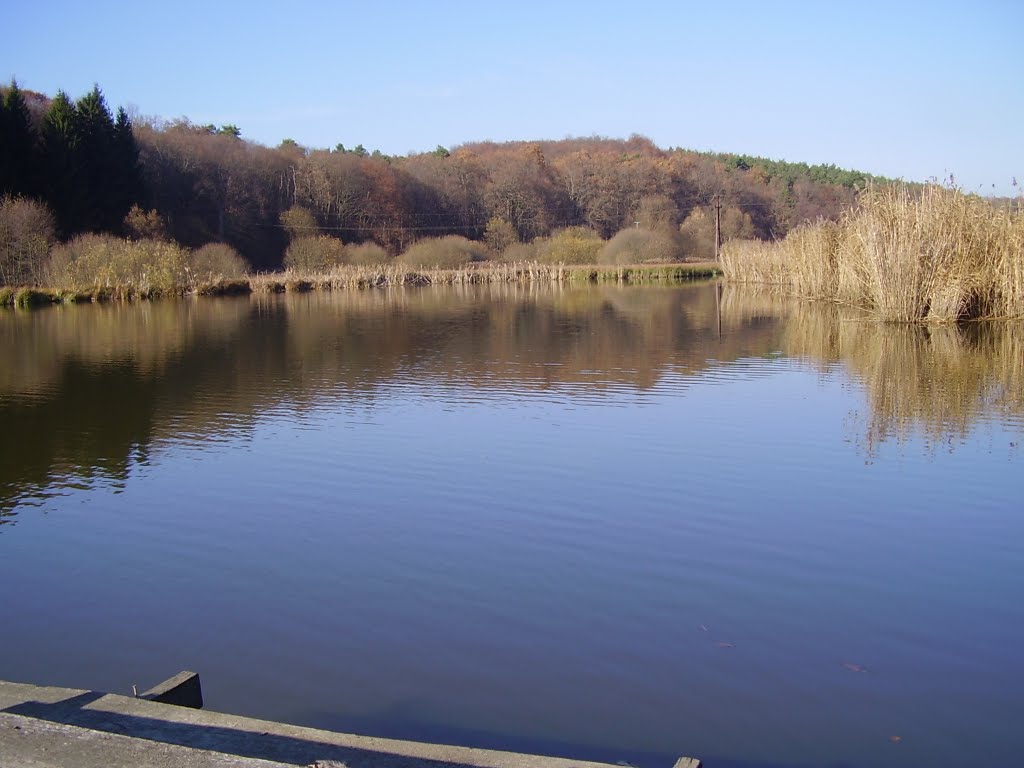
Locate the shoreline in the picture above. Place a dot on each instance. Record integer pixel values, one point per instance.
(381, 276)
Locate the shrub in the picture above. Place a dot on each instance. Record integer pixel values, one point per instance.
(299, 222)
(573, 245)
(216, 261)
(697, 232)
(520, 252)
(499, 235)
(443, 253)
(31, 297)
(317, 253)
(144, 225)
(697, 235)
(105, 264)
(657, 212)
(26, 232)
(635, 246)
(366, 255)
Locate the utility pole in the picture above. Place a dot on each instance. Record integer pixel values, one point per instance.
(718, 225)
(718, 249)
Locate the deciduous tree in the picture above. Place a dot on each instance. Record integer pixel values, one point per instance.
(26, 234)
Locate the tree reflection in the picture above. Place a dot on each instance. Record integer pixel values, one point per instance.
(87, 392)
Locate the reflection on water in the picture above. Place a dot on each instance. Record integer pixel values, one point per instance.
(88, 389)
(937, 381)
(616, 523)
(91, 387)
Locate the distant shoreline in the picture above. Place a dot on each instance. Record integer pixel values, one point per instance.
(380, 276)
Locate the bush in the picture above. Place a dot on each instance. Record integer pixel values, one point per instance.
(144, 225)
(216, 261)
(108, 265)
(697, 232)
(443, 253)
(698, 235)
(299, 222)
(636, 246)
(499, 235)
(318, 253)
(31, 297)
(366, 255)
(26, 233)
(520, 252)
(573, 245)
(657, 212)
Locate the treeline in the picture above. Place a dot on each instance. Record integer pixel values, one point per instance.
(198, 184)
(793, 173)
(73, 155)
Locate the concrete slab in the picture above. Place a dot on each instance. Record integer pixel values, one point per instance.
(182, 690)
(26, 742)
(41, 724)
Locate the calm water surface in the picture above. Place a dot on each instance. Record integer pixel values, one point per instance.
(615, 523)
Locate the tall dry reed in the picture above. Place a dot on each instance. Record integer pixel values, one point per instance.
(397, 274)
(756, 261)
(908, 255)
(813, 254)
(1008, 264)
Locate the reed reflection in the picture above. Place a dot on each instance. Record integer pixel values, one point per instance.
(937, 381)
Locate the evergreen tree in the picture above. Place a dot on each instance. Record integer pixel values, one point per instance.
(125, 176)
(17, 144)
(93, 158)
(6, 177)
(59, 147)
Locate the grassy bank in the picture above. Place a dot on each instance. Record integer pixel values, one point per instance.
(356, 277)
(934, 255)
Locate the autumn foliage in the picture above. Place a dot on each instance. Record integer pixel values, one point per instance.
(196, 184)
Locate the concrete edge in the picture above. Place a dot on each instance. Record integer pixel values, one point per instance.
(252, 738)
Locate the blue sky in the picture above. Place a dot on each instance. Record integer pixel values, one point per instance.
(910, 90)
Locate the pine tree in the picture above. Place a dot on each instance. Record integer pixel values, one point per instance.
(125, 176)
(61, 176)
(6, 175)
(17, 144)
(94, 161)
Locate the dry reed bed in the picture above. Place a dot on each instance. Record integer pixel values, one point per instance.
(387, 275)
(140, 283)
(352, 276)
(932, 255)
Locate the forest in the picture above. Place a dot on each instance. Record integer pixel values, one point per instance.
(86, 169)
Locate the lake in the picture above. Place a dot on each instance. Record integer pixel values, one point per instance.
(616, 523)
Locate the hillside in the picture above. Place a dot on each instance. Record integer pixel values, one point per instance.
(201, 183)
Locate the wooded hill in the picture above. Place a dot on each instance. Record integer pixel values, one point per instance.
(99, 172)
